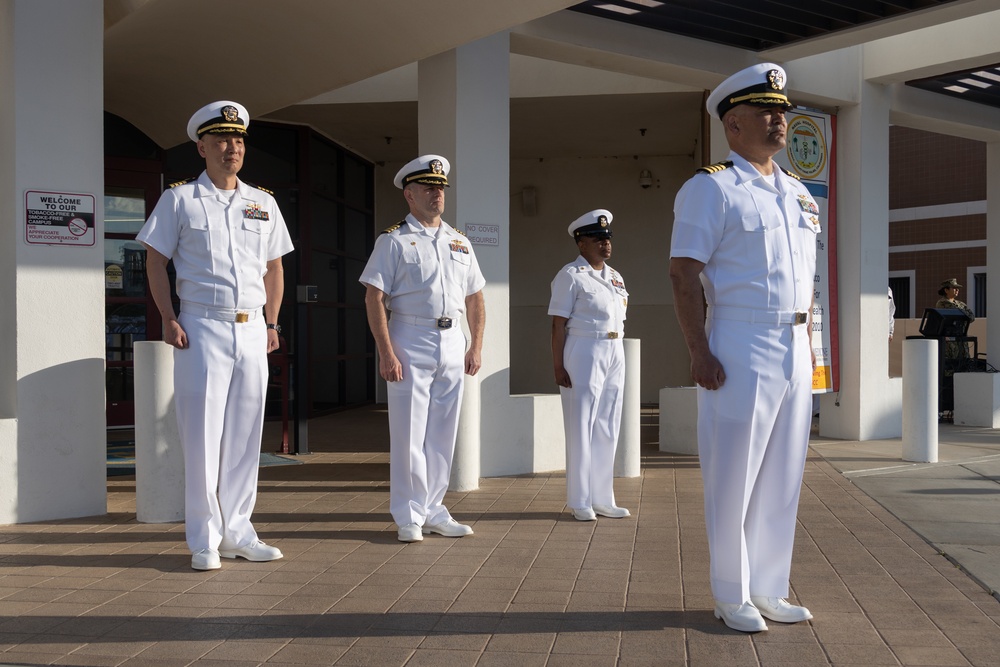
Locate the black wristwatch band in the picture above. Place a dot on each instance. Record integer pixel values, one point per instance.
(276, 327)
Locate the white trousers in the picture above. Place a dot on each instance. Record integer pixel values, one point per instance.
(219, 387)
(592, 417)
(753, 436)
(423, 420)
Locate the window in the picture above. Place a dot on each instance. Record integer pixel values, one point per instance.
(978, 304)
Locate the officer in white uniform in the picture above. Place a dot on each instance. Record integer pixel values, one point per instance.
(588, 323)
(745, 232)
(226, 239)
(425, 272)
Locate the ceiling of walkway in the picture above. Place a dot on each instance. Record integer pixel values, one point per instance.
(164, 58)
(759, 25)
(753, 24)
(159, 64)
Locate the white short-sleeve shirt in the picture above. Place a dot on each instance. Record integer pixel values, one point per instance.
(590, 300)
(757, 240)
(220, 246)
(426, 272)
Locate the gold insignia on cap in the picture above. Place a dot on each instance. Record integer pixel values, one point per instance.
(603, 220)
(230, 114)
(776, 79)
(436, 167)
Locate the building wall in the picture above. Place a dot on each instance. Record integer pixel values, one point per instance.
(540, 245)
(937, 201)
(926, 168)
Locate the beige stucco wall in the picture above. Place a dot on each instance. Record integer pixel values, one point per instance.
(540, 246)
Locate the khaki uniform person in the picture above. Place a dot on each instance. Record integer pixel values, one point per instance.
(588, 321)
(745, 231)
(226, 239)
(425, 272)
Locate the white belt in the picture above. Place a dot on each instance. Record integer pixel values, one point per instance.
(752, 316)
(594, 334)
(428, 322)
(223, 314)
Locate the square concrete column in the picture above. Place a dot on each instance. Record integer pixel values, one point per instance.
(868, 405)
(52, 425)
(993, 250)
(464, 114)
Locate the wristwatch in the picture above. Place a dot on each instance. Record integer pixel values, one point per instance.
(276, 327)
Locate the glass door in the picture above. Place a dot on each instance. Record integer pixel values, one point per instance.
(129, 312)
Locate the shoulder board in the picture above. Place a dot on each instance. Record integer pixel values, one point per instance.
(459, 231)
(260, 188)
(390, 230)
(186, 180)
(795, 176)
(715, 168)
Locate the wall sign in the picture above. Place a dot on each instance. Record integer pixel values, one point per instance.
(59, 218)
(483, 234)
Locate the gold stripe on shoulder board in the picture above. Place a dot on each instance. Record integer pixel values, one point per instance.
(795, 176)
(390, 230)
(252, 185)
(186, 180)
(715, 168)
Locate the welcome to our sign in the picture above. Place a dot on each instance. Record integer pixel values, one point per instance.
(59, 218)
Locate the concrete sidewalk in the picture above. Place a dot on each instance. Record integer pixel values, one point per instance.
(954, 504)
(531, 587)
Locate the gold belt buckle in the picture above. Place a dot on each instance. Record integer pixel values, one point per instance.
(242, 317)
(800, 318)
(612, 335)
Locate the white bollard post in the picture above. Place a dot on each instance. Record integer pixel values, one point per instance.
(920, 400)
(159, 460)
(628, 455)
(466, 462)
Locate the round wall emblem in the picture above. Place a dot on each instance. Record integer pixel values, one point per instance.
(806, 147)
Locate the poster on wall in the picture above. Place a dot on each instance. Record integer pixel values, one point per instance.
(59, 218)
(809, 154)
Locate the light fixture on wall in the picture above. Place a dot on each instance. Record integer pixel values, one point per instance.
(645, 179)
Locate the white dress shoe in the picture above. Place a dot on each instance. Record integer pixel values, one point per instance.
(409, 533)
(584, 514)
(780, 610)
(611, 511)
(256, 551)
(449, 528)
(743, 617)
(205, 559)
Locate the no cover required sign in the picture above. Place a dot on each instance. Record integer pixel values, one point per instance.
(59, 218)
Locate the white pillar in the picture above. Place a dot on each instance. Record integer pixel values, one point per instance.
(628, 456)
(993, 251)
(464, 114)
(920, 400)
(866, 406)
(159, 458)
(51, 296)
(466, 465)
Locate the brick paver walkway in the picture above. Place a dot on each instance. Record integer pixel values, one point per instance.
(532, 587)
